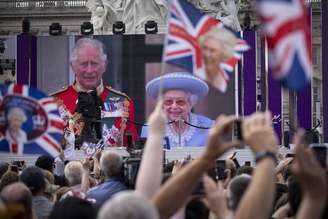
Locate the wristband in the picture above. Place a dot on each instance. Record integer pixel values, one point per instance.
(265, 154)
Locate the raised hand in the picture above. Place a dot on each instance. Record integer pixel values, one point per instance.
(157, 120)
(308, 171)
(216, 144)
(258, 132)
(215, 198)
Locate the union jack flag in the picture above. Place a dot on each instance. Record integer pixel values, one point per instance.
(287, 29)
(41, 128)
(186, 25)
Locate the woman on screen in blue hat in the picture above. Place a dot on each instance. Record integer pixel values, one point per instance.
(181, 91)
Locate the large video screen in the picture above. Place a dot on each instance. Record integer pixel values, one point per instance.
(133, 60)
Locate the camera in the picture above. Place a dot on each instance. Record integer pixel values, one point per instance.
(238, 130)
(220, 169)
(130, 169)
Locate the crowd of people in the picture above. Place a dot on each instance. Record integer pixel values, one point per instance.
(276, 187)
(293, 187)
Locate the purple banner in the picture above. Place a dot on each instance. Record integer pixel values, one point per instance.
(26, 60)
(304, 98)
(240, 89)
(34, 59)
(324, 26)
(249, 82)
(274, 103)
(304, 108)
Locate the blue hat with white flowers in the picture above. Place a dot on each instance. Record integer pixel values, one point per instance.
(177, 81)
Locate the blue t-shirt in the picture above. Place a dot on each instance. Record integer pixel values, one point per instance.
(191, 137)
(105, 191)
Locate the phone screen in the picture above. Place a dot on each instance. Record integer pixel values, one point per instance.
(220, 169)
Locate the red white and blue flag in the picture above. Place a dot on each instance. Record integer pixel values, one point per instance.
(186, 25)
(288, 33)
(39, 129)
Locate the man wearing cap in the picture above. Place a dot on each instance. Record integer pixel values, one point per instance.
(181, 91)
(88, 62)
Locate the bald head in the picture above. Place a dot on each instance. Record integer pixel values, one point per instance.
(14, 192)
(128, 204)
(18, 194)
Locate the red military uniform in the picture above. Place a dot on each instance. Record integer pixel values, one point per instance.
(69, 96)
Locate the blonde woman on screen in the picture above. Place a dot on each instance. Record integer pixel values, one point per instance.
(217, 47)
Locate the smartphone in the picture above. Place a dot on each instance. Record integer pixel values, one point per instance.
(247, 163)
(239, 133)
(220, 169)
(213, 174)
(320, 151)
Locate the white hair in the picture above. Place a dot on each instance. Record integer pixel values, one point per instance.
(111, 164)
(226, 37)
(83, 42)
(73, 172)
(16, 111)
(193, 99)
(127, 205)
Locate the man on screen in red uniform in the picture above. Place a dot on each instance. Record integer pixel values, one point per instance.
(88, 62)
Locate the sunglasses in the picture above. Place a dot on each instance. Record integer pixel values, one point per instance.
(179, 102)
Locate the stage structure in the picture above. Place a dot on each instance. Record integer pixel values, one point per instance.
(135, 59)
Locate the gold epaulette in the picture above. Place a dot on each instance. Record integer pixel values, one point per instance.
(59, 91)
(117, 92)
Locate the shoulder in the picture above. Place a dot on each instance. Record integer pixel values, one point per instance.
(60, 91)
(203, 120)
(144, 131)
(110, 89)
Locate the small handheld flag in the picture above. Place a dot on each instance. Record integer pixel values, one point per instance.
(29, 121)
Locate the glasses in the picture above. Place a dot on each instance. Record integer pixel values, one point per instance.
(179, 102)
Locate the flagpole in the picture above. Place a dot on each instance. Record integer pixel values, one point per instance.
(160, 93)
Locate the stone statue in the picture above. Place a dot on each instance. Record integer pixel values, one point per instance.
(229, 14)
(208, 7)
(134, 13)
(155, 10)
(104, 13)
(137, 12)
